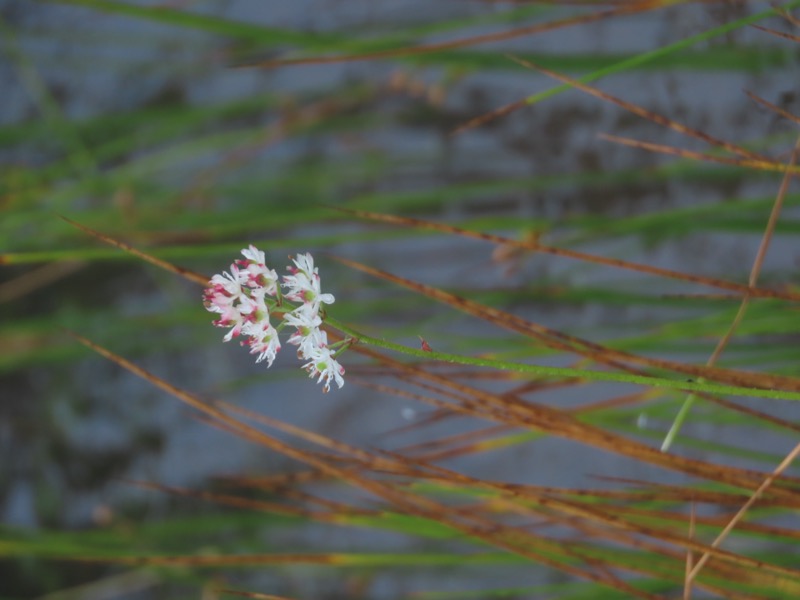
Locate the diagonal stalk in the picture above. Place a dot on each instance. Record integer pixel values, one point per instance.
(755, 271)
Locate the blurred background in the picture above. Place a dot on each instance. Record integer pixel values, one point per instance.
(169, 126)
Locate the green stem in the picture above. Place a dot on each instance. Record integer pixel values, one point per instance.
(678, 422)
(545, 371)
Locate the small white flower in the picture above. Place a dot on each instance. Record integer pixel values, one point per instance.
(255, 274)
(303, 317)
(227, 284)
(297, 283)
(235, 321)
(255, 312)
(309, 344)
(265, 343)
(254, 255)
(223, 296)
(304, 283)
(323, 364)
(307, 334)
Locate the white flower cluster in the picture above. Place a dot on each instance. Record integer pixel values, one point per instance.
(244, 298)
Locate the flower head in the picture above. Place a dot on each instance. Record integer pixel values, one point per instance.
(244, 298)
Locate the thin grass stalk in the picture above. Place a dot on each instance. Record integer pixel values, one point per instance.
(753, 279)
